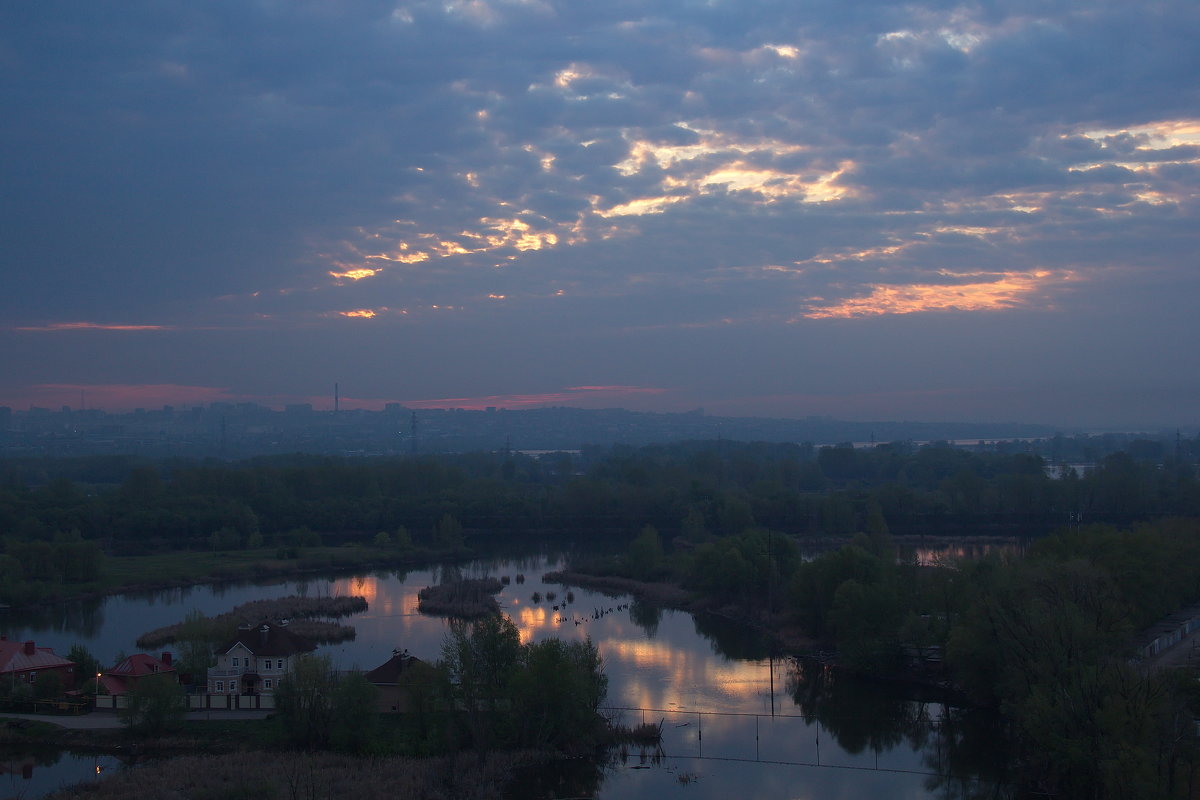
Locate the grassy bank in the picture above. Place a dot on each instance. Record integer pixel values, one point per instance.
(308, 775)
(194, 567)
(671, 595)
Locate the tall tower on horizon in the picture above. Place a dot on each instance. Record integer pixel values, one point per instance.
(336, 399)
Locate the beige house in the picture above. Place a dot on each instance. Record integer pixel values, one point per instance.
(255, 660)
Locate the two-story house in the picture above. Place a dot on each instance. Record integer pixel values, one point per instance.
(256, 659)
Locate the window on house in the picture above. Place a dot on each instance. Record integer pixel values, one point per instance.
(267, 664)
(32, 676)
(233, 687)
(235, 661)
(267, 683)
(220, 686)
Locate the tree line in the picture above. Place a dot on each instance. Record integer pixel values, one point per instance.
(725, 486)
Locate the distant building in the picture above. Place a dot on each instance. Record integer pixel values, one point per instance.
(1057, 472)
(22, 662)
(124, 676)
(256, 659)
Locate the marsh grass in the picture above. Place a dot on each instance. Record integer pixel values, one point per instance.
(466, 598)
(310, 776)
(296, 608)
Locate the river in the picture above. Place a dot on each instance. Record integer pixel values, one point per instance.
(736, 719)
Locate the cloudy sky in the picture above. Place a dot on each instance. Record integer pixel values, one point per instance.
(872, 210)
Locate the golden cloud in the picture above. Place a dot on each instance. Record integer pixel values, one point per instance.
(1008, 290)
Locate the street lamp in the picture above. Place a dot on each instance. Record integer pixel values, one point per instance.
(97, 692)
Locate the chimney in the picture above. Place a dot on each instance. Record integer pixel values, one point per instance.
(30, 649)
(166, 658)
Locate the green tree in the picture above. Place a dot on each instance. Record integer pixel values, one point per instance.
(479, 659)
(304, 700)
(195, 643)
(48, 685)
(355, 721)
(556, 693)
(449, 533)
(85, 669)
(155, 704)
(403, 538)
(645, 555)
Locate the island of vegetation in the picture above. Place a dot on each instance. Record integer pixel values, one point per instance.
(299, 611)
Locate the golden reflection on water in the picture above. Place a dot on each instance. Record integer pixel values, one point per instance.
(384, 598)
(669, 669)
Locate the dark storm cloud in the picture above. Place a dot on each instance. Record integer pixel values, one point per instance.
(478, 176)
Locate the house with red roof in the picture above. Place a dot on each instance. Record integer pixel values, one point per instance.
(401, 680)
(22, 662)
(255, 660)
(124, 676)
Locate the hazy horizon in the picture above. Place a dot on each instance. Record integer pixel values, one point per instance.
(930, 211)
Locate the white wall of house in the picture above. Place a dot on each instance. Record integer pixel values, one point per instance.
(228, 676)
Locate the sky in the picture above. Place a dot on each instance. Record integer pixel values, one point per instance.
(931, 211)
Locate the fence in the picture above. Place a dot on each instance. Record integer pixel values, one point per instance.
(198, 702)
(783, 739)
(45, 706)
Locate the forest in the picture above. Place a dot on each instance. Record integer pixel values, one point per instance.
(127, 505)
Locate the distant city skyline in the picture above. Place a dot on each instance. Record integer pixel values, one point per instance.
(918, 211)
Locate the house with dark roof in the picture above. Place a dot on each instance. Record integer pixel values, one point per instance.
(400, 681)
(255, 660)
(124, 676)
(22, 662)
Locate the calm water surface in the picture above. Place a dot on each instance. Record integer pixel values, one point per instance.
(736, 720)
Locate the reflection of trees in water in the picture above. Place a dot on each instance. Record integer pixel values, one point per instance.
(971, 757)
(646, 616)
(572, 777)
(731, 639)
(82, 617)
(858, 714)
(964, 747)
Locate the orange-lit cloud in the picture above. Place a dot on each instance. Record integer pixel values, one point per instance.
(719, 161)
(90, 326)
(1009, 290)
(366, 313)
(354, 274)
(118, 397)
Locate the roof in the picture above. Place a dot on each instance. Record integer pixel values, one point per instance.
(114, 685)
(139, 664)
(13, 657)
(390, 670)
(268, 639)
